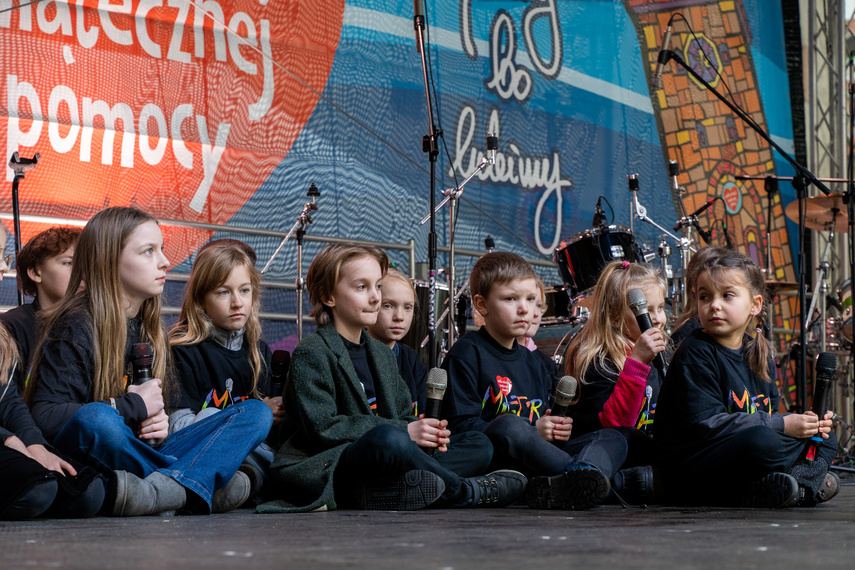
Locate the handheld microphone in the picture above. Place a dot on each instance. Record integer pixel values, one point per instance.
(565, 392)
(141, 358)
(663, 57)
(824, 369)
(492, 144)
(437, 382)
(638, 306)
(279, 363)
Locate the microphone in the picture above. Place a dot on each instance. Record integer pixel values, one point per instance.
(824, 369)
(663, 57)
(141, 358)
(565, 392)
(638, 306)
(437, 382)
(418, 9)
(279, 363)
(599, 220)
(489, 243)
(698, 212)
(492, 143)
(727, 240)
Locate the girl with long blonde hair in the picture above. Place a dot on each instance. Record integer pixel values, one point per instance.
(82, 392)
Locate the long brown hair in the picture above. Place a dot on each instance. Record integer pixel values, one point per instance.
(720, 268)
(605, 337)
(213, 266)
(96, 265)
(693, 270)
(8, 354)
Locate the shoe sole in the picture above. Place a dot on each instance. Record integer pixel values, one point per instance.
(410, 492)
(115, 489)
(575, 490)
(774, 491)
(831, 492)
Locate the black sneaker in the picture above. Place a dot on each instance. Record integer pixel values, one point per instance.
(634, 484)
(776, 490)
(411, 491)
(581, 487)
(497, 489)
(830, 487)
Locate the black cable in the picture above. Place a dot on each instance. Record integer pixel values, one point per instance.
(612, 210)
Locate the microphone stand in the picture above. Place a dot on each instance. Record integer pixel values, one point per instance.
(849, 199)
(429, 145)
(451, 197)
(803, 176)
(299, 228)
(20, 166)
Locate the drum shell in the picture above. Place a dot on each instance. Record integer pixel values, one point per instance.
(582, 257)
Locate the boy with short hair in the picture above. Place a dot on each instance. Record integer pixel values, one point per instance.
(502, 389)
(44, 268)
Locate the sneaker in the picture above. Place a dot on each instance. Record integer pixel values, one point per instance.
(830, 487)
(411, 491)
(256, 478)
(581, 487)
(776, 490)
(497, 489)
(233, 495)
(634, 485)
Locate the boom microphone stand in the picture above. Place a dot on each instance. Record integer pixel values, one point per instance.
(803, 176)
(20, 166)
(299, 228)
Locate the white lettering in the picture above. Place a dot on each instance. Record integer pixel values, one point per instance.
(121, 37)
(62, 94)
(242, 20)
(86, 38)
(14, 135)
(507, 81)
(121, 111)
(152, 155)
(217, 29)
(150, 47)
(24, 14)
(62, 18)
(211, 156)
(179, 149)
(258, 109)
(175, 53)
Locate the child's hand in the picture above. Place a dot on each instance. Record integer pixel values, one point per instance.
(430, 433)
(50, 461)
(155, 427)
(825, 424)
(554, 428)
(152, 394)
(649, 344)
(804, 425)
(275, 405)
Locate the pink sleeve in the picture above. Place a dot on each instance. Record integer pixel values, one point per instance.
(623, 406)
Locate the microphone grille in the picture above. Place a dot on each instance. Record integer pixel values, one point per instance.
(141, 354)
(437, 378)
(635, 297)
(826, 362)
(565, 391)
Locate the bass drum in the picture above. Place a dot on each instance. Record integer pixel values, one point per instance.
(582, 257)
(419, 330)
(553, 340)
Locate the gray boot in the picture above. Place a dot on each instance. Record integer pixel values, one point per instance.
(133, 497)
(232, 495)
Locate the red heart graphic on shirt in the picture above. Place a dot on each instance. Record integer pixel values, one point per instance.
(505, 384)
(146, 104)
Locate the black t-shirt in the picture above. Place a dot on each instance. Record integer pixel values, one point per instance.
(414, 374)
(359, 358)
(486, 380)
(22, 324)
(211, 375)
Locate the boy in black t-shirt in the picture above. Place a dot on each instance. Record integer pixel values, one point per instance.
(501, 389)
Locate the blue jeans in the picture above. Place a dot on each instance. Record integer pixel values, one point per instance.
(202, 457)
(518, 445)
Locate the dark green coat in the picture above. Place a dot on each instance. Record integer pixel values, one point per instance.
(326, 410)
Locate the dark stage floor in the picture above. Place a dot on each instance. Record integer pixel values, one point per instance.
(518, 538)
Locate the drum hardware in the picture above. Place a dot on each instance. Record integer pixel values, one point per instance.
(19, 166)
(844, 295)
(581, 257)
(451, 196)
(684, 243)
(299, 228)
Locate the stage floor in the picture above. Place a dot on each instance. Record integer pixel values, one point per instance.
(517, 538)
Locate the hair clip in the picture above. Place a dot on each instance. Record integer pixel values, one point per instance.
(624, 265)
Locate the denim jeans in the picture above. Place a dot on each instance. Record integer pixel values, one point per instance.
(518, 445)
(202, 457)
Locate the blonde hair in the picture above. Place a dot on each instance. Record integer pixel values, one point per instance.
(758, 350)
(8, 355)
(325, 271)
(213, 266)
(396, 274)
(96, 263)
(605, 336)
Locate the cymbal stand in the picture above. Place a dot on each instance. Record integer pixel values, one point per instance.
(451, 197)
(822, 284)
(684, 243)
(300, 228)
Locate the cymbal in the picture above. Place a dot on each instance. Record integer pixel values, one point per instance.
(820, 213)
(775, 286)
